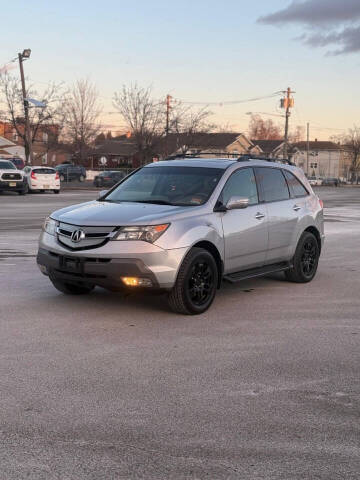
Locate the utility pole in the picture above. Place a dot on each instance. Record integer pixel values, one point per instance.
(287, 103)
(307, 147)
(28, 140)
(168, 107)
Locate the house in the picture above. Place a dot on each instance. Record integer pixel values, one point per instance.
(203, 144)
(9, 149)
(45, 146)
(115, 153)
(270, 148)
(326, 159)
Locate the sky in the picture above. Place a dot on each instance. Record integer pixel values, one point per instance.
(199, 51)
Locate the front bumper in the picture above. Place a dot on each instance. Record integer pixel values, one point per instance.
(9, 185)
(105, 266)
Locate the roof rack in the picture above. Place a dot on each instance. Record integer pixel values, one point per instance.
(247, 157)
(197, 155)
(242, 158)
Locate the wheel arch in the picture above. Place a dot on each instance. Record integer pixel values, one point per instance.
(212, 249)
(316, 234)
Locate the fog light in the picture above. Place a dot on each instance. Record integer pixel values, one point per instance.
(136, 282)
(43, 269)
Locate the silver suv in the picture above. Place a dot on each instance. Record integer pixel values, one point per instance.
(183, 226)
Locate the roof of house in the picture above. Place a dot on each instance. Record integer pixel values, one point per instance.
(203, 140)
(267, 146)
(114, 147)
(318, 145)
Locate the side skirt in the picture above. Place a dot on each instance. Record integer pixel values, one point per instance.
(257, 272)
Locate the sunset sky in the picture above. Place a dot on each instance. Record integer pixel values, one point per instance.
(200, 51)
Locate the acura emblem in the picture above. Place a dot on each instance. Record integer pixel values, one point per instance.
(77, 236)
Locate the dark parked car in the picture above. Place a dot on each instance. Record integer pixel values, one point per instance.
(108, 178)
(18, 162)
(331, 182)
(68, 172)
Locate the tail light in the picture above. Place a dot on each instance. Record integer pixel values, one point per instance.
(57, 177)
(33, 176)
(321, 203)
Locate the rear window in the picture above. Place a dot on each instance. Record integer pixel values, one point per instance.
(297, 189)
(273, 184)
(44, 171)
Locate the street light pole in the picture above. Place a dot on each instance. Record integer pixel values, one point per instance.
(27, 133)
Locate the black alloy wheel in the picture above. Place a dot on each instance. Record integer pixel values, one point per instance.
(309, 257)
(196, 283)
(306, 259)
(200, 283)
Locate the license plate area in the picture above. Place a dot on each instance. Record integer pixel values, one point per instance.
(12, 184)
(46, 187)
(71, 264)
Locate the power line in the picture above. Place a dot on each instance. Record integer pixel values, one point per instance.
(233, 102)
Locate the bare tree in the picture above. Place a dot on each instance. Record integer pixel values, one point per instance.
(144, 117)
(187, 126)
(351, 142)
(82, 112)
(47, 120)
(260, 129)
(297, 135)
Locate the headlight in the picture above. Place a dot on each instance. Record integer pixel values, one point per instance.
(148, 234)
(49, 226)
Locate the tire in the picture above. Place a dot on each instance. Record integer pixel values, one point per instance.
(196, 283)
(70, 288)
(81, 178)
(57, 191)
(305, 261)
(22, 192)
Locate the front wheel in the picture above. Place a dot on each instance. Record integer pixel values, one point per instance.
(196, 283)
(306, 259)
(70, 288)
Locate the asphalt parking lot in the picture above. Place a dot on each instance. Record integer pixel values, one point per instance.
(265, 385)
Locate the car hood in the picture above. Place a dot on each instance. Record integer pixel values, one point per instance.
(97, 213)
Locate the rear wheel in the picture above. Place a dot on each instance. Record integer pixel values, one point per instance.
(56, 191)
(196, 283)
(70, 288)
(306, 259)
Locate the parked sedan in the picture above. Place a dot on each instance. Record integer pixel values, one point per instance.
(42, 178)
(331, 182)
(108, 178)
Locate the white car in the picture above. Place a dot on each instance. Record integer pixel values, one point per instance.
(42, 178)
(315, 181)
(11, 179)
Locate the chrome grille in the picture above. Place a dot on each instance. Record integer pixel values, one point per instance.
(91, 237)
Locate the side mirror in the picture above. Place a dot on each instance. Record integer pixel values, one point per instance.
(235, 203)
(102, 193)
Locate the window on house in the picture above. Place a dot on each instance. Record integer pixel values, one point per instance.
(45, 137)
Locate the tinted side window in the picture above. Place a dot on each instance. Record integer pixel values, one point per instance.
(242, 183)
(273, 184)
(297, 189)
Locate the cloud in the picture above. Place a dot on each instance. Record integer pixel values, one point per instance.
(327, 23)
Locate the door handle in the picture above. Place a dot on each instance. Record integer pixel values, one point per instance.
(296, 208)
(259, 216)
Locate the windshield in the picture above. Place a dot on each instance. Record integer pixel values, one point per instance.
(168, 185)
(7, 166)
